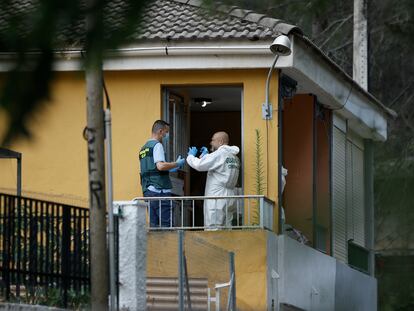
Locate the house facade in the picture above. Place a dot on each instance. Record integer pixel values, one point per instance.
(204, 72)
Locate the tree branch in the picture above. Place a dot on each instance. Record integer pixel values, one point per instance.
(341, 23)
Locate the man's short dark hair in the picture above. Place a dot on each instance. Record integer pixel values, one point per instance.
(159, 125)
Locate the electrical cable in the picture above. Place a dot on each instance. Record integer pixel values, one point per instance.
(107, 99)
(346, 100)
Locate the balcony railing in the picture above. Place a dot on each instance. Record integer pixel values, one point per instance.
(246, 211)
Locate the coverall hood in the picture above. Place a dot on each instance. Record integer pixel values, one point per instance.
(231, 149)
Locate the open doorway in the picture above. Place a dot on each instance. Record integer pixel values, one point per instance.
(306, 154)
(195, 113)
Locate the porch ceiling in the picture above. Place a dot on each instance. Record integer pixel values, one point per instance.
(224, 98)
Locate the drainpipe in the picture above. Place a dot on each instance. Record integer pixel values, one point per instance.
(111, 234)
(369, 203)
(279, 155)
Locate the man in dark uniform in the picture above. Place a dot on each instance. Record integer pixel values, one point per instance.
(155, 179)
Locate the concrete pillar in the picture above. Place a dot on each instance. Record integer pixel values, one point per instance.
(132, 255)
(360, 51)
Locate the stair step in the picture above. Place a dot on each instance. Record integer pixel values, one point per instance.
(173, 289)
(172, 298)
(173, 306)
(162, 293)
(168, 281)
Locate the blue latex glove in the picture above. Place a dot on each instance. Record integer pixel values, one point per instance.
(175, 169)
(204, 151)
(192, 151)
(180, 162)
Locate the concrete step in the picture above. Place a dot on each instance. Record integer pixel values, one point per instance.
(174, 289)
(174, 299)
(162, 293)
(166, 306)
(170, 281)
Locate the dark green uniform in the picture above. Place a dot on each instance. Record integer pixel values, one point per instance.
(150, 175)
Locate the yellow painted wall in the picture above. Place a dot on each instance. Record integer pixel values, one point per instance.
(206, 258)
(55, 161)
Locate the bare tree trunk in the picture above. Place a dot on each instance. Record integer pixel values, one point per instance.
(97, 205)
(96, 166)
(317, 27)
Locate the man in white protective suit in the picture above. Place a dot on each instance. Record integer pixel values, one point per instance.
(223, 166)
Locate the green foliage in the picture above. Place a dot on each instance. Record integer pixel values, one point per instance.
(259, 174)
(53, 297)
(395, 283)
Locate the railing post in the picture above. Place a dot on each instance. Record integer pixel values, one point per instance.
(180, 271)
(19, 175)
(187, 284)
(18, 244)
(271, 215)
(217, 299)
(233, 282)
(6, 245)
(65, 253)
(32, 247)
(132, 262)
(261, 210)
(208, 299)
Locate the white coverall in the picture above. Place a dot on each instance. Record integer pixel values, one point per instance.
(223, 171)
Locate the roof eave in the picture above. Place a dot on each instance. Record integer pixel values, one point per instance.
(390, 113)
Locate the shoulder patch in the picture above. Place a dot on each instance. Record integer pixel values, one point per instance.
(144, 152)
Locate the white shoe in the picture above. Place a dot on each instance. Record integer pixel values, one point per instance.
(211, 229)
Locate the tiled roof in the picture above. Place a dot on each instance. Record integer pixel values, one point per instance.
(163, 20)
(186, 20)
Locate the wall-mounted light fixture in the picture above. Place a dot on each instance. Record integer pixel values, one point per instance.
(203, 101)
(280, 47)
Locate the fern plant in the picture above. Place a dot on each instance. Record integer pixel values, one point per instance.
(259, 170)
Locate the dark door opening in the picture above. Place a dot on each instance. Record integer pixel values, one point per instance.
(201, 111)
(306, 156)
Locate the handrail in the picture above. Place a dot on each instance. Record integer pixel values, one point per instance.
(250, 211)
(200, 197)
(219, 287)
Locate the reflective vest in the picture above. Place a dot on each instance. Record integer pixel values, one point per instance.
(150, 175)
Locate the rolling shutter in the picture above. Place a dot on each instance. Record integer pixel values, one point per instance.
(339, 195)
(356, 209)
(348, 205)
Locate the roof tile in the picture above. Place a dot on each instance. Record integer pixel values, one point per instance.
(164, 20)
(254, 17)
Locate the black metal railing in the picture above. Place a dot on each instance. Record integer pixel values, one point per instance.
(44, 251)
